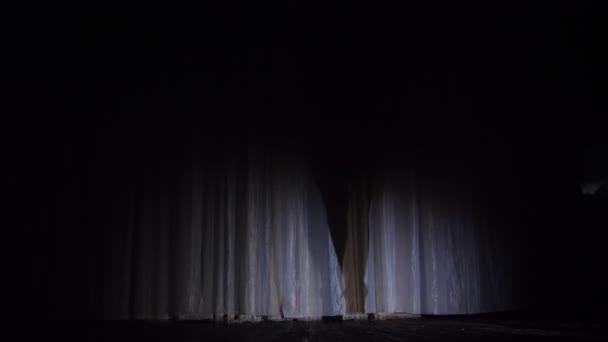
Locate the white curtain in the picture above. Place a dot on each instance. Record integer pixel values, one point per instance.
(433, 249)
(223, 228)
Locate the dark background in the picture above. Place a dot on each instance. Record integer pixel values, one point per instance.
(513, 89)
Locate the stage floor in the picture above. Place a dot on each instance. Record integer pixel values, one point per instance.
(415, 329)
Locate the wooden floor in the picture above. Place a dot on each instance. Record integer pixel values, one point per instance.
(421, 329)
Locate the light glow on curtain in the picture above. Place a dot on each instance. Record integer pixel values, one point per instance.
(230, 230)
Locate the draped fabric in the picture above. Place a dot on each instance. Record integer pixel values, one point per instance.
(223, 229)
(434, 250)
(230, 231)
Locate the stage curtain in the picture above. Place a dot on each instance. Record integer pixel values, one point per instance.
(220, 226)
(436, 247)
(219, 229)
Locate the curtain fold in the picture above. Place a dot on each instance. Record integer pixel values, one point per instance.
(226, 229)
(220, 230)
(434, 249)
